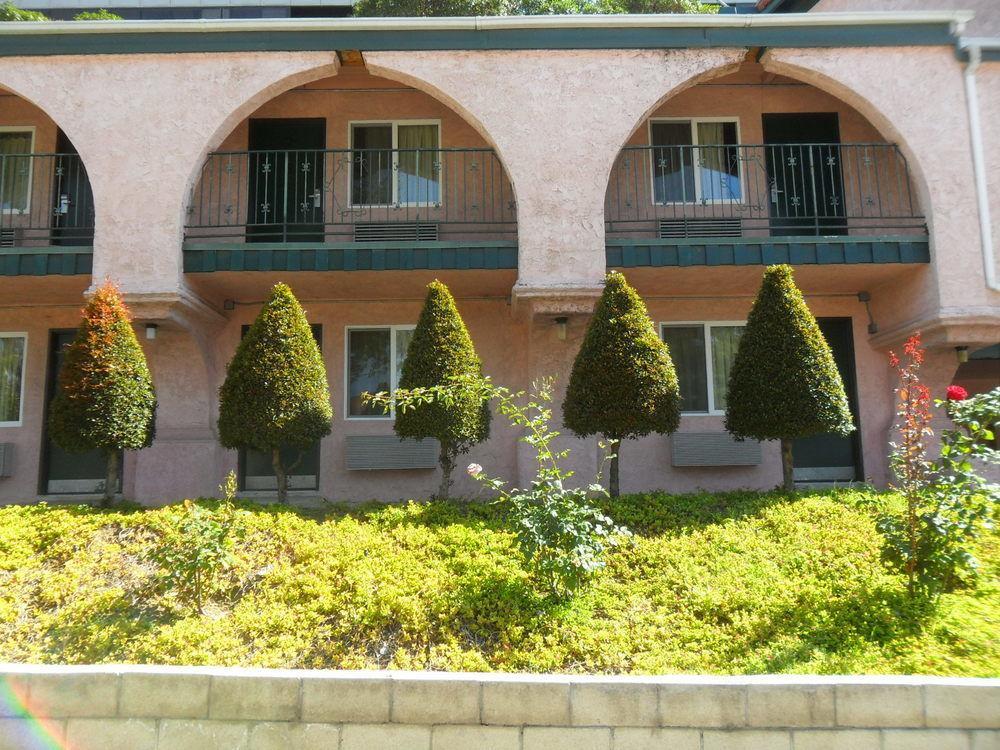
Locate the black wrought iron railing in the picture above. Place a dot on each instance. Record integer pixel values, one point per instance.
(359, 195)
(787, 189)
(45, 199)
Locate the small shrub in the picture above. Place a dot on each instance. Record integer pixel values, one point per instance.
(623, 384)
(784, 383)
(105, 399)
(560, 532)
(276, 394)
(10, 12)
(101, 14)
(194, 547)
(947, 503)
(441, 349)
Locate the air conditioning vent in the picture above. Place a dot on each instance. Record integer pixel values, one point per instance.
(678, 228)
(8, 237)
(397, 232)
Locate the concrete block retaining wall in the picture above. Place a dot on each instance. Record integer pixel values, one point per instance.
(181, 708)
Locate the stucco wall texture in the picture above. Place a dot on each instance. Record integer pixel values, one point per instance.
(557, 119)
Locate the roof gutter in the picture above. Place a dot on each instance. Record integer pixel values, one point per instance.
(974, 49)
(956, 19)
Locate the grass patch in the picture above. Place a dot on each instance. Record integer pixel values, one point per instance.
(718, 583)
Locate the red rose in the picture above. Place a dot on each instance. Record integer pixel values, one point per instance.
(956, 393)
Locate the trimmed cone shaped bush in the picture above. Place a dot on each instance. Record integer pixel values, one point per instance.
(105, 399)
(623, 384)
(276, 394)
(784, 383)
(440, 350)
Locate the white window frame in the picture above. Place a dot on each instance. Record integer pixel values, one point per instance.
(393, 382)
(31, 169)
(698, 200)
(706, 326)
(395, 162)
(24, 373)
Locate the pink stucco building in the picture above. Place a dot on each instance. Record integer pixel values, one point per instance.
(197, 163)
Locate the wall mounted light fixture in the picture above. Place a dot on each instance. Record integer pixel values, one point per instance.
(962, 353)
(561, 323)
(151, 331)
(228, 304)
(865, 298)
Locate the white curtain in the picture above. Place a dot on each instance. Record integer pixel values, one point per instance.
(418, 156)
(725, 341)
(718, 174)
(15, 164)
(11, 368)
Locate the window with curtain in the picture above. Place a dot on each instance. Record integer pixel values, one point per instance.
(374, 363)
(15, 169)
(12, 356)
(396, 163)
(679, 145)
(703, 355)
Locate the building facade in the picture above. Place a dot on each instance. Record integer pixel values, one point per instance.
(198, 163)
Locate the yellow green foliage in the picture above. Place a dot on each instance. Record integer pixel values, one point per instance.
(726, 583)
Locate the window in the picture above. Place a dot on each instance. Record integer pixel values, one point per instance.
(374, 363)
(703, 354)
(12, 361)
(712, 145)
(396, 163)
(16, 145)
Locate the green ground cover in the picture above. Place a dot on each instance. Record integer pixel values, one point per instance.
(718, 583)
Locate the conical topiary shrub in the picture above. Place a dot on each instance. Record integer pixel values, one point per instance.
(440, 350)
(105, 398)
(784, 383)
(623, 384)
(276, 394)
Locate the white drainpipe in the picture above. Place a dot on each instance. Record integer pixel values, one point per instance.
(979, 166)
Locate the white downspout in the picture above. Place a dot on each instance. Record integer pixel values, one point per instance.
(979, 166)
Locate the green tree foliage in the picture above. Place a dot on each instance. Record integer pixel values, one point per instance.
(424, 8)
(784, 383)
(10, 12)
(105, 399)
(276, 394)
(440, 351)
(623, 384)
(100, 14)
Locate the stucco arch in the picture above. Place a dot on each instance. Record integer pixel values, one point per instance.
(558, 117)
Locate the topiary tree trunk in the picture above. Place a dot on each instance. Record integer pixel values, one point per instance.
(623, 384)
(105, 398)
(441, 350)
(276, 393)
(784, 383)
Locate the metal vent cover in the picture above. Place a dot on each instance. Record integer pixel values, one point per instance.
(396, 232)
(370, 452)
(713, 449)
(679, 228)
(6, 459)
(8, 237)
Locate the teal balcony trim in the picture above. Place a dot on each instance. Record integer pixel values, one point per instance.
(63, 260)
(762, 251)
(206, 257)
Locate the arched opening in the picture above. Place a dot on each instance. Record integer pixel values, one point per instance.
(762, 158)
(351, 172)
(46, 199)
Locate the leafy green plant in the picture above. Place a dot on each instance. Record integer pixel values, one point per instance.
(105, 398)
(948, 504)
(10, 12)
(229, 487)
(195, 545)
(623, 384)
(561, 533)
(524, 7)
(441, 349)
(276, 394)
(101, 14)
(784, 383)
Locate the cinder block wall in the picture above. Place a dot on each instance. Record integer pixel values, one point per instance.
(162, 708)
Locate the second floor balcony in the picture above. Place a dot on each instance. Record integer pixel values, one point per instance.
(752, 194)
(338, 206)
